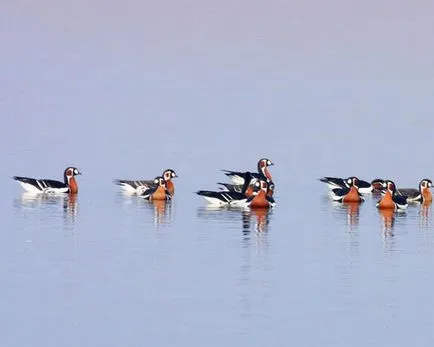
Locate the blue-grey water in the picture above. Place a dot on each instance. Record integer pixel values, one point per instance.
(125, 90)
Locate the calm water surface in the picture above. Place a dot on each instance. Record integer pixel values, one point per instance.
(115, 270)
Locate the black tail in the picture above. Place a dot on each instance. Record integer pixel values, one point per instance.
(25, 179)
(232, 173)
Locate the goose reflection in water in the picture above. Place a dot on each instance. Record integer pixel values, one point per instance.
(425, 214)
(70, 208)
(353, 212)
(161, 210)
(259, 216)
(350, 211)
(388, 217)
(50, 204)
(30, 200)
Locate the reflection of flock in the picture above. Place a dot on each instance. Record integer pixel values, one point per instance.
(67, 201)
(256, 220)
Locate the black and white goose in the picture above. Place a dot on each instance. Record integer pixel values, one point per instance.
(349, 194)
(48, 186)
(335, 182)
(423, 194)
(391, 199)
(263, 172)
(225, 198)
(140, 186)
(158, 191)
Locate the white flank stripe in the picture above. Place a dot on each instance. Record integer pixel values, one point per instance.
(214, 201)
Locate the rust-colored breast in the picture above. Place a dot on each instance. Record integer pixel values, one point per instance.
(388, 218)
(170, 187)
(260, 200)
(73, 187)
(352, 196)
(159, 194)
(386, 202)
(427, 195)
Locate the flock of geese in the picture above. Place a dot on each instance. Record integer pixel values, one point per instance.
(247, 189)
(352, 190)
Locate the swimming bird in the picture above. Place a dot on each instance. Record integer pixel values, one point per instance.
(260, 197)
(48, 186)
(391, 199)
(139, 186)
(238, 188)
(423, 194)
(263, 172)
(158, 191)
(348, 194)
(229, 197)
(335, 182)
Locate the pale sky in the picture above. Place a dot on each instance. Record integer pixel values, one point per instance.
(203, 78)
